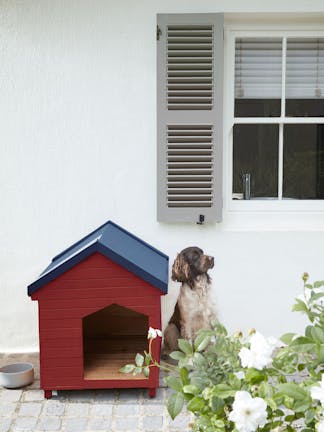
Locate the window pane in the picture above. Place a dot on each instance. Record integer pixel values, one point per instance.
(255, 157)
(303, 161)
(305, 77)
(258, 77)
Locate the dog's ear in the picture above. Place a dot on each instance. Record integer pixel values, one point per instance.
(180, 270)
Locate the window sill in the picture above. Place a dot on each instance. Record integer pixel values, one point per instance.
(273, 205)
(271, 215)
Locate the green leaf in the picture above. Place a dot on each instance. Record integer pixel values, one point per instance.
(127, 368)
(185, 346)
(278, 398)
(303, 344)
(317, 334)
(219, 425)
(146, 371)
(201, 342)
(177, 355)
(321, 355)
(287, 338)
(199, 360)
(195, 404)
(302, 405)
(317, 296)
(191, 389)
(255, 376)
(309, 416)
(301, 367)
(293, 390)
(139, 360)
(137, 371)
(199, 382)
(217, 404)
(148, 359)
(318, 284)
(308, 331)
(288, 402)
(300, 306)
(175, 404)
(224, 391)
(265, 390)
(271, 403)
(174, 383)
(234, 382)
(184, 375)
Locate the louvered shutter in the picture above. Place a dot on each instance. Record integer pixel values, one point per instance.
(190, 117)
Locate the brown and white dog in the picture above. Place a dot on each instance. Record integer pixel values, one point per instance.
(194, 309)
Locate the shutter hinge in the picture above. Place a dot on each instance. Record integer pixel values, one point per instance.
(158, 32)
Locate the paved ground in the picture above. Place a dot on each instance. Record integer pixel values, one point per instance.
(78, 411)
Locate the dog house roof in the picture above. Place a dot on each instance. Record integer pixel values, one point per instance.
(116, 244)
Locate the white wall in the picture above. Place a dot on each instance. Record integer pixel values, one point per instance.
(78, 147)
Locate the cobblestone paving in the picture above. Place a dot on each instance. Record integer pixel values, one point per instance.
(76, 411)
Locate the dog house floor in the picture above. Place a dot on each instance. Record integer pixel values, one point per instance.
(104, 357)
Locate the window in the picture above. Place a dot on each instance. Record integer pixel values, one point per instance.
(273, 120)
(277, 116)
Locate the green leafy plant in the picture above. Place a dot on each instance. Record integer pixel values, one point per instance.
(246, 384)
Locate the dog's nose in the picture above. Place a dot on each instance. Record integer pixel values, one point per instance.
(211, 261)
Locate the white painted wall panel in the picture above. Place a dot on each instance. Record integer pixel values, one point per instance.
(77, 125)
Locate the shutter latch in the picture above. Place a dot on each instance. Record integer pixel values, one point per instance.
(158, 32)
(201, 219)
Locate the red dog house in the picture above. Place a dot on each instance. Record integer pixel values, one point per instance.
(97, 300)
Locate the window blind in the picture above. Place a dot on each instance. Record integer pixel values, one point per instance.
(258, 68)
(305, 68)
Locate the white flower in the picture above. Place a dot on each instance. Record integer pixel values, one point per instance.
(240, 375)
(248, 413)
(320, 426)
(153, 333)
(260, 352)
(317, 392)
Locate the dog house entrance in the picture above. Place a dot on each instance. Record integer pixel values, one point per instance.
(111, 338)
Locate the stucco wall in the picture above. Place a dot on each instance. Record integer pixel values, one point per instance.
(78, 147)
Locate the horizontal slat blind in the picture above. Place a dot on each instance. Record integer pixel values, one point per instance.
(189, 123)
(305, 68)
(258, 68)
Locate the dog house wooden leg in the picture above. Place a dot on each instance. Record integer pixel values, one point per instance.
(152, 392)
(48, 394)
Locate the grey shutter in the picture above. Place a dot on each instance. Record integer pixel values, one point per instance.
(190, 117)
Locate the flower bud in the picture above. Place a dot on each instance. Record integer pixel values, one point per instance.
(238, 334)
(305, 277)
(252, 331)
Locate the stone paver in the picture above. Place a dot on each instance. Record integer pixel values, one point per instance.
(120, 410)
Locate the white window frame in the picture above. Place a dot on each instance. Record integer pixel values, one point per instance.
(231, 33)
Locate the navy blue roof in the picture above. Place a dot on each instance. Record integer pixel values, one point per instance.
(116, 244)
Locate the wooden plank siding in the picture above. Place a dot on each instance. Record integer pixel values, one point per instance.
(92, 285)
